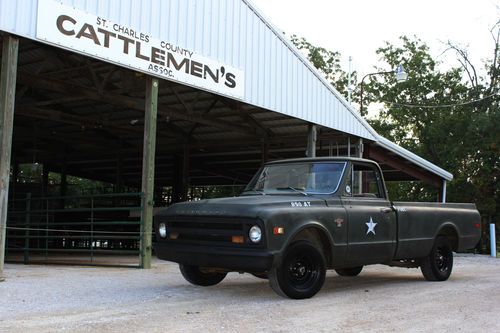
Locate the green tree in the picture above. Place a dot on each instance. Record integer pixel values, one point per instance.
(448, 117)
(328, 63)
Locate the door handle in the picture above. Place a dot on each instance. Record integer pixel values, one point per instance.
(386, 210)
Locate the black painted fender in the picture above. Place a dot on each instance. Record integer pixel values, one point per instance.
(290, 238)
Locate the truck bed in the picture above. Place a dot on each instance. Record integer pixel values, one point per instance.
(417, 223)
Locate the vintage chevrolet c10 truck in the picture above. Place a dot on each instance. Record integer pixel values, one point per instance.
(298, 218)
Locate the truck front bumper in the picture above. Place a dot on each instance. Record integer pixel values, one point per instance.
(236, 259)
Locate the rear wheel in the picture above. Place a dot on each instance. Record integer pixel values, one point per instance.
(201, 277)
(352, 271)
(438, 264)
(301, 273)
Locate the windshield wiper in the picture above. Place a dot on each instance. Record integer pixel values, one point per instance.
(299, 190)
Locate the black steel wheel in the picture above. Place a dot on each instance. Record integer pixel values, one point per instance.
(437, 266)
(200, 277)
(352, 271)
(301, 273)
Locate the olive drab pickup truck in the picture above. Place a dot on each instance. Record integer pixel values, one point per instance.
(298, 218)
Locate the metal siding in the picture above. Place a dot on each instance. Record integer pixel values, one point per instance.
(337, 115)
(293, 81)
(243, 23)
(230, 31)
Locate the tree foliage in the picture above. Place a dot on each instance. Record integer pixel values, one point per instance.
(328, 63)
(450, 117)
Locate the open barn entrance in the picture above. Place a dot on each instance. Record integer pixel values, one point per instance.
(77, 177)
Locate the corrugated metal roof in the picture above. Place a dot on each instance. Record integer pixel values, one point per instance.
(277, 76)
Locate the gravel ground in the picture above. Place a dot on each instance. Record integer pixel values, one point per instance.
(87, 299)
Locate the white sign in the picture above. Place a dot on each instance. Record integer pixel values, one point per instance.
(101, 38)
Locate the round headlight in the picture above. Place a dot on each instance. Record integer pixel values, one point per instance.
(162, 229)
(255, 234)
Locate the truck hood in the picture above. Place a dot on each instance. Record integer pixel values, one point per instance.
(244, 206)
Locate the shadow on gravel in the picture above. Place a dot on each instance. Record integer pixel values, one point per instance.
(372, 281)
(249, 288)
(333, 284)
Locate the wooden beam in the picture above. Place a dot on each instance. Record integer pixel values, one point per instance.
(66, 118)
(247, 117)
(8, 75)
(65, 87)
(210, 107)
(148, 169)
(379, 155)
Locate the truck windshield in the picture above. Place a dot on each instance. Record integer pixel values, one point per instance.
(304, 177)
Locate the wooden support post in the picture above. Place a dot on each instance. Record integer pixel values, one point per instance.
(311, 141)
(7, 101)
(148, 169)
(361, 148)
(348, 146)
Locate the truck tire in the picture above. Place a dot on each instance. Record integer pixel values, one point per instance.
(263, 276)
(438, 264)
(353, 271)
(195, 276)
(301, 273)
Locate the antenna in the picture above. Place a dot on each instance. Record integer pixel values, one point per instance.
(349, 85)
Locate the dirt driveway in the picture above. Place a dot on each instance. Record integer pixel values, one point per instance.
(82, 299)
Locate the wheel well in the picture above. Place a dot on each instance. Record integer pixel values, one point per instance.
(450, 233)
(319, 238)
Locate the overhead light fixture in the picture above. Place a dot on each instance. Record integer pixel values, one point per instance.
(401, 75)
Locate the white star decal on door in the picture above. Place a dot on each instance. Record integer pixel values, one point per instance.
(371, 226)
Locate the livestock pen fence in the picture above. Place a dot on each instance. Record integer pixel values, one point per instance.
(101, 229)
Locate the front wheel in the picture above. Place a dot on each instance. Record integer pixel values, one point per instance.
(301, 273)
(438, 264)
(200, 277)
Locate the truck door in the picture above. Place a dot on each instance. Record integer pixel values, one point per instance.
(370, 217)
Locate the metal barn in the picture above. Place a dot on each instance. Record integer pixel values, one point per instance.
(152, 94)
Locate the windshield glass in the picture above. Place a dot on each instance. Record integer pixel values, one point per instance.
(304, 177)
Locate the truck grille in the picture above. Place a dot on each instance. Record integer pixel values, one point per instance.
(209, 230)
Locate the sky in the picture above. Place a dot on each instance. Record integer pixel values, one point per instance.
(357, 28)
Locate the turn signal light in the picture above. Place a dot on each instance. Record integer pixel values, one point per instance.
(237, 239)
(278, 230)
(174, 235)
